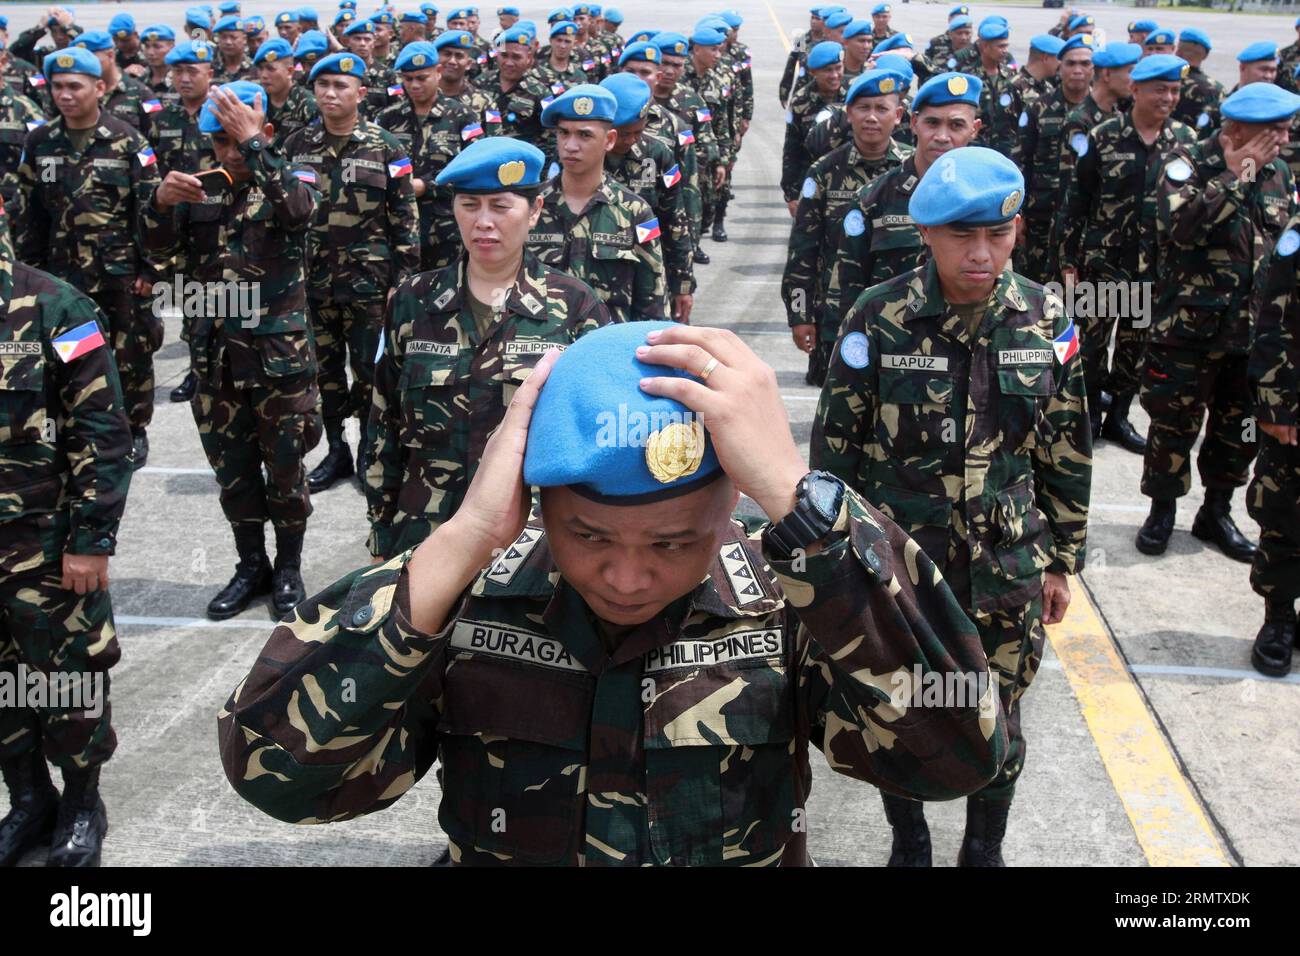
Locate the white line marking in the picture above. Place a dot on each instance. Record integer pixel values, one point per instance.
(1176, 670)
(151, 470)
(135, 620)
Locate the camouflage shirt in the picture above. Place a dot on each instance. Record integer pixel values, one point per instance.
(717, 109)
(1039, 152)
(1001, 104)
(794, 65)
(64, 435)
(365, 235)
(741, 64)
(1029, 90)
(678, 135)
(1274, 366)
(383, 86)
(176, 139)
(611, 245)
(18, 117)
(222, 74)
(132, 102)
(828, 194)
(978, 445)
(77, 212)
(1198, 102)
(1213, 229)
(807, 108)
(1288, 59)
(650, 170)
(441, 388)
(517, 112)
(251, 236)
(627, 758)
(556, 80)
(298, 110)
(688, 106)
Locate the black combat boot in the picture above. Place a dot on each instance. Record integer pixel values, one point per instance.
(1153, 536)
(701, 257)
(287, 590)
(1119, 429)
(1214, 523)
(911, 835)
(185, 390)
(139, 448)
(986, 824)
(82, 823)
(33, 806)
(252, 574)
(337, 463)
(719, 231)
(1271, 654)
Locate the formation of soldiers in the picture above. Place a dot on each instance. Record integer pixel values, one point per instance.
(377, 218)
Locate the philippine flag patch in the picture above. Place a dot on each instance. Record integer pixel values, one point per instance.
(588, 64)
(151, 106)
(470, 131)
(84, 338)
(395, 89)
(146, 156)
(36, 80)
(647, 230)
(672, 177)
(686, 137)
(1066, 344)
(401, 167)
(705, 115)
(492, 116)
(308, 176)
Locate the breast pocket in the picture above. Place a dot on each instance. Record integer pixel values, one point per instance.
(264, 239)
(719, 752)
(429, 388)
(22, 399)
(1025, 391)
(916, 414)
(893, 248)
(108, 191)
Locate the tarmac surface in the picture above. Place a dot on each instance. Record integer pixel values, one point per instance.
(1151, 739)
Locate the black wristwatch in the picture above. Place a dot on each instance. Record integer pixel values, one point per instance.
(817, 504)
(254, 144)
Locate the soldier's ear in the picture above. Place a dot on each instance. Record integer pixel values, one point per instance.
(268, 130)
(535, 211)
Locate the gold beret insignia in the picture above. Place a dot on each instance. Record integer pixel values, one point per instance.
(510, 173)
(886, 84)
(675, 451)
(957, 85)
(345, 64)
(64, 61)
(583, 105)
(1010, 203)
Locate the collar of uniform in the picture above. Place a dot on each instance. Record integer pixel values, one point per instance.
(926, 295)
(606, 193)
(908, 176)
(719, 593)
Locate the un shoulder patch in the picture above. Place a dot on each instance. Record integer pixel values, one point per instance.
(855, 349)
(1288, 243)
(1079, 143)
(809, 188)
(1004, 99)
(854, 224)
(1024, 118)
(1203, 121)
(1179, 170)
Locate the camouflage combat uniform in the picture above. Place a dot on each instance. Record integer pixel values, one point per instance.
(77, 219)
(1108, 234)
(678, 136)
(717, 113)
(1199, 99)
(1273, 498)
(1287, 59)
(127, 101)
(222, 74)
(828, 194)
(66, 443)
(742, 66)
(622, 758)
(556, 80)
(978, 445)
(1000, 108)
(176, 139)
(364, 239)
(807, 108)
(517, 112)
(1039, 153)
(1213, 229)
(18, 117)
(794, 65)
(298, 110)
(432, 141)
(650, 170)
(442, 386)
(382, 85)
(601, 246)
(696, 132)
(257, 404)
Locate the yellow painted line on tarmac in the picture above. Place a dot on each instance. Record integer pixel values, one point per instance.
(780, 30)
(1169, 823)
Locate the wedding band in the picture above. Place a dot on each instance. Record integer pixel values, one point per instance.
(708, 369)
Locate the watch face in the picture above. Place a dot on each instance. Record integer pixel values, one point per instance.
(822, 495)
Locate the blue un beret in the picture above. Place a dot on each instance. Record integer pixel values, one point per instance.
(1115, 55)
(648, 36)
(824, 54)
(672, 44)
(641, 52)
(94, 40)
(1046, 43)
(973, 185)
(1161, 66)
(420, 55)
(594, 427)
(359, 27)
(254, 25)
(614, 15)
(558, 14)
(428, 9)
(564, 28)
(1160, 37)
(994, 28)
(956, 23)
(462, 13)
(456, 38)
(632, 94)
(246, 91)
(228, 25)
(706, 37)
(159, 31)
(198, 17)
(229, 7)
(1082, 20)
(414, 17)
(949, 88)
(1143, 26)
(122, 25)
(1260, 103)
(311, 43)
(274, 49)
(75, 59)
(840, 18)
(508, 12)
(897, 41)
(190, 51)
(900, 65)
(494, 165)
(516, 34)
(733, 18)
(857, 28)
(584, 102)
(879, 9)
(307, 15)
(383, 17)
(874, 83)
(1080, 41)
(344, 16)
(343, 64)
(1263, 50)
(961, 11)
(1193, 35)
(289, 16)
(714, 22)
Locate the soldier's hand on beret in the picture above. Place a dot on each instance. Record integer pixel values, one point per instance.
(803, 337)
(1253, 155)
(136, 70)
(738, 402)
(236, 117)
(84, 573)
(177, 187)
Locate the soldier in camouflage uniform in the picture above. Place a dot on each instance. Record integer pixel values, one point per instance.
(232, 62)
(1287, 61)
(612, 241)
(826, 196)
(941, 54)
(125, 97)
(289, 107)
(799, 47)
(880, 241)
(513, 105)
(126, 43)
(66, 444)
(432, 128)
(365, 238)
(999, 109)
(808, 106)
(453, 49)
(61, 28)
(1107, 234)
(1112, 67)
(307, 51)
(647, 167)
(18, 117)
(559, 71)
(379, 81)
(955, 404)
(738, 60)
(645, 768)
(1273, 497)
(1039, 155)
(158, 41)
(457, 344)
(1038, 78)
(286, 23)
(257, 405)
(82, 181)
(1201, 94)
(1223, 201)
(698, 126)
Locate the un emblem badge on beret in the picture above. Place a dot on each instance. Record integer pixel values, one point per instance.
(201, 53)
(679, 47)
(583, 105)
(345, 64)
(464, 40)
(121, 33)
(270, 56)
(64, 61)
(957, 85)
(510, 173)
(675, 451)
(418, 59)
(887, 84)
(1010, 203)
(1086, 38)
(1183, 71)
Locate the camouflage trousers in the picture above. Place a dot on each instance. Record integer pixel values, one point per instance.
(1273, 499)
(135, 333)
(347, 334)
(1178, 387)
(1013, 640)
(1125, 371)
(69, 639)
(244, 429)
